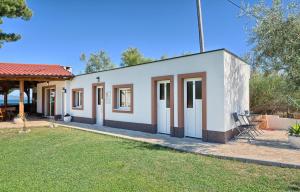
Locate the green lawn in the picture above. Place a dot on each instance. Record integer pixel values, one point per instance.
(63, 159)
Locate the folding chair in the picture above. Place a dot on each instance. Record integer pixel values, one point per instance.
(255, 124)
(243, 129)
(253, 127)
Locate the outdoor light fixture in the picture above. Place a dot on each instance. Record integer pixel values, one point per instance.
(64, 90)
(98, 79)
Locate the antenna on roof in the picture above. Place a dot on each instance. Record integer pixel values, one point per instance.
(200, 26)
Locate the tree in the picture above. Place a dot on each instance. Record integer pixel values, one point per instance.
(268, 93)
(12, 9)
(132, 56)
(97, 62)
(275, 37)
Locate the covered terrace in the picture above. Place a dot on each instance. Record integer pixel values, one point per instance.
(25, 77)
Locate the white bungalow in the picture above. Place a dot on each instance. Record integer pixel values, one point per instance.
(188, 96)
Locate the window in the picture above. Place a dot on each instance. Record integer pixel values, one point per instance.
(77, 99)
(168, 95)
(198, 90)
(123, 98)
(190, 93)
(100, 95)
(162, 91)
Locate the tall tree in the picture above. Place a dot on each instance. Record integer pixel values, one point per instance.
(132, 56)
(97, 62)
(12, 9)
(275, 37)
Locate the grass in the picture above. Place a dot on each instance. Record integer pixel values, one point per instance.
(64, 159)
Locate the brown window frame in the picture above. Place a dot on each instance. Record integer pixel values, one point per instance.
(73, 99)
(115, 92)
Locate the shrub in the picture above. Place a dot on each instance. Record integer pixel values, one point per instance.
(268, 93)
(295, 130)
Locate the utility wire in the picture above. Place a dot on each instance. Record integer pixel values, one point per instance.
(238, 6)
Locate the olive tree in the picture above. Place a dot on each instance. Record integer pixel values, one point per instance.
(275, 39)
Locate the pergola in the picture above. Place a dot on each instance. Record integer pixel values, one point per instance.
(26, 76)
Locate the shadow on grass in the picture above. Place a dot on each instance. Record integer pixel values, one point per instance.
(157, 147)
(147, 146)
(294, 186)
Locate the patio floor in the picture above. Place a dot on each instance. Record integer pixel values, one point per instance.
(32, 122)
(270, 148)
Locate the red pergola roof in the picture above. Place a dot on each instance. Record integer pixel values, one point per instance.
(33, 70)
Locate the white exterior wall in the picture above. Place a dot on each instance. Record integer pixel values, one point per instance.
(278, 123)
(140, 77)
(220, 67)
(58, 95)
(236, 87)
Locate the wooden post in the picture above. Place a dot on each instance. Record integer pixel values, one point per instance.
(21, 107)
(21, 101)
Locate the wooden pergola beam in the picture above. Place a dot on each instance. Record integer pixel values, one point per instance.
(6, 86)
(32, 79)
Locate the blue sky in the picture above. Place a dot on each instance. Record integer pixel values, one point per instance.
(60, 31)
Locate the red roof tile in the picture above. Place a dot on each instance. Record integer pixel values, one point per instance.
(35, 70)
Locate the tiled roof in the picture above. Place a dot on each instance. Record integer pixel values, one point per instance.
(33, 70)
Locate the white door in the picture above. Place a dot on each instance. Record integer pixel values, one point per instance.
(50, 102)
(193, 107)
(99, 105)
(163, 107)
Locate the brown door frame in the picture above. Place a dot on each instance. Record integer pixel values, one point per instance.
(43, 98)
(181, 78)
(94, 86)
(154, 81)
